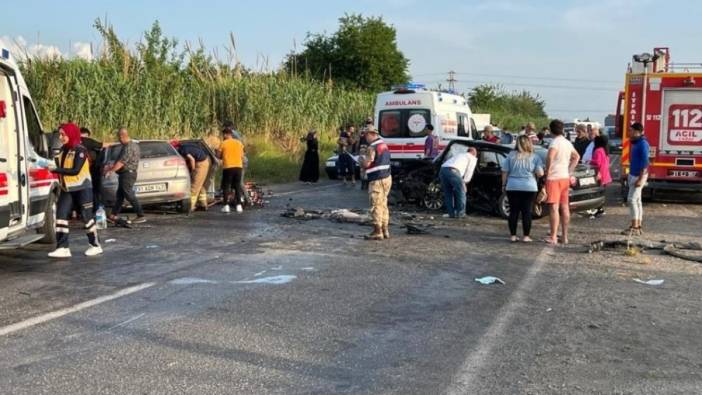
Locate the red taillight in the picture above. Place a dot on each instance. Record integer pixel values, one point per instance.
(3, 109)
(39, 173)
(174, 162)
(3, 184)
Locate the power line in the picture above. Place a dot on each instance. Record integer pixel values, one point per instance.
(575, 87)
(524, 77)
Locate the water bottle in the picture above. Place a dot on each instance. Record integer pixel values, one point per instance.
(101, 218)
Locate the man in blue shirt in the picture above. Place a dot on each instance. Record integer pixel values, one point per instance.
(638, 174)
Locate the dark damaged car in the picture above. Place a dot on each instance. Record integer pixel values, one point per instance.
(419, 182)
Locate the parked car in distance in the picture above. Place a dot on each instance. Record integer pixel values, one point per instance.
(332, 169)
(422, 184)
(162, 178)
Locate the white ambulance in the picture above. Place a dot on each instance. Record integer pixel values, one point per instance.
(402, 116)
(27, 192)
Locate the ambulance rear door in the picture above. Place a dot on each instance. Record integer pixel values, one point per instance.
(13, 175)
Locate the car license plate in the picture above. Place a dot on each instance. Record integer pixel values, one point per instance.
(682, 173)
(150, 188)
(331, 164)
(395, 163)
(587, 181)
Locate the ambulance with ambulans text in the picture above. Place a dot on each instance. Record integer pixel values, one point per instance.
(402, 116)
(666, 98)
(28, 192)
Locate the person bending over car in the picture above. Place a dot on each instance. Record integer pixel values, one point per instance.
(455, 174)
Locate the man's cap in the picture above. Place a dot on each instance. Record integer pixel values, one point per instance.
(637, 126)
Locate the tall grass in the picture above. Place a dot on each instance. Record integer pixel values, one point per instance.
(159, 94)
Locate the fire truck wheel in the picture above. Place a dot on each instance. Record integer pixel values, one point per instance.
(49, 227)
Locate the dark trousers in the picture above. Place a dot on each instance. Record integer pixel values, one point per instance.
(231, 178)
(125, 190)
(520, 202)
(81, 201)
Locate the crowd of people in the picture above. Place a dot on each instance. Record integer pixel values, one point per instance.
(80, 173)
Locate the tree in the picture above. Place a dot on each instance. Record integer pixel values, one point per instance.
(509, 109)
(363, 54)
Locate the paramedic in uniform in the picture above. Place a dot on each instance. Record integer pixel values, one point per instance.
(377, 165)
(73, 169)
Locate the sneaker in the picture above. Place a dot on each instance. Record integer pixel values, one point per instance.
(138, 220)
(226, 209)
(93, 250)
(60, 253)
(239, 209)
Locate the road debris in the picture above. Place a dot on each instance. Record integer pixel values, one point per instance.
(649, 282)
(487, 280)
(682, 250)
(110, 240)
(417, 229)
(276, 280)
(341, 215)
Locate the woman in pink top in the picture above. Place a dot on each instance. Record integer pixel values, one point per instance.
(601, 161)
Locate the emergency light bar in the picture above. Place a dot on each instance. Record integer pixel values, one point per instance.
(5, 54)
(412, 86)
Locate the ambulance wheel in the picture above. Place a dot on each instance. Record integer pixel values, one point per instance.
(49, 227)
(184, 207)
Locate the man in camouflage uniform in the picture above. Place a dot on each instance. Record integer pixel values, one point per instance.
(377, 165)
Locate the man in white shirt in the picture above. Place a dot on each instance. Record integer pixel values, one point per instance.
(594, 132)
(560, 165)
(455, 173)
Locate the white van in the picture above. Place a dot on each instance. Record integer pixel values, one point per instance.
(403, 113)
(28, 192)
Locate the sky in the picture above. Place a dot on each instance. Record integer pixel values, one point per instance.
(572, 53)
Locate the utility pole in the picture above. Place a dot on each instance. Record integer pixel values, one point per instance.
(452, 81)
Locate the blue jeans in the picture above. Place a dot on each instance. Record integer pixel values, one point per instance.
(453, 188)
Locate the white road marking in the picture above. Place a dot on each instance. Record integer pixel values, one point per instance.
(277, 280)
(136, 317)
(464, 382)
(70, 310)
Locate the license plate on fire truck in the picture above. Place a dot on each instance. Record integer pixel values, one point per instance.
(149, 188)
(682, 173)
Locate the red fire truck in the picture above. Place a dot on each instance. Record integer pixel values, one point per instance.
(667, 99)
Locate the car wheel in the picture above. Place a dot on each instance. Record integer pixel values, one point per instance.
(49, 227)
(433, 197)
(185, 207)
(503, 206)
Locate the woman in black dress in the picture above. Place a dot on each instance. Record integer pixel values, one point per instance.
(310, 166)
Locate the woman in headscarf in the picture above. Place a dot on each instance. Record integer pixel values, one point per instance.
(310, 166)
(73, 170)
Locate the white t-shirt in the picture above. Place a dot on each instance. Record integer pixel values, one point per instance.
(559, 167)
(464, 163)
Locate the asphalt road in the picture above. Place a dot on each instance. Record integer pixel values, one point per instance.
(258, 303)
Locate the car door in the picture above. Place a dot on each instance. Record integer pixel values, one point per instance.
(487, 180)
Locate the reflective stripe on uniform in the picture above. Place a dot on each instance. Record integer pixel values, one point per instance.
(377, 168)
